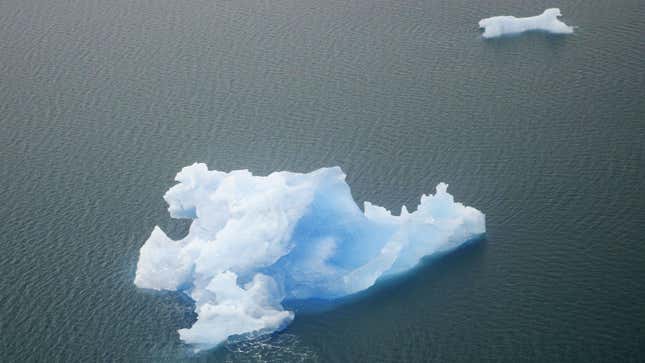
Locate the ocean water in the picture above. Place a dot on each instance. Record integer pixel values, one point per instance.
(101, 103)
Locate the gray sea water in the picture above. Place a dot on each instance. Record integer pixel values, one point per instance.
(102, 102)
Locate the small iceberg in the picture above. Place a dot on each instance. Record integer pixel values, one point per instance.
(256, 241)
(548, 21)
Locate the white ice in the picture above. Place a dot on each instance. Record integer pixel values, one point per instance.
(257, 240)
(506, 25)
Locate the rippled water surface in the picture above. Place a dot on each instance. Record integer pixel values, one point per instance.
(102, 102)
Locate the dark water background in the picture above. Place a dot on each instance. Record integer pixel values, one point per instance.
(102, 102)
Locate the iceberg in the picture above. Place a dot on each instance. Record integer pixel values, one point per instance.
(256, 241)
(506, 25)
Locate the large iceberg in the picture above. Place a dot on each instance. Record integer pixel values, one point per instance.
(256, 241)
(506, 25)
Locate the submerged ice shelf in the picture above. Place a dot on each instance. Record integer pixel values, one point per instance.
(257, 240)
(548, 21)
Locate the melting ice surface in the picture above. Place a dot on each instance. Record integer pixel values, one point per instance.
(257, 240)
(505, 25)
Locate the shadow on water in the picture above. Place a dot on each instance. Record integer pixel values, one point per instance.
(529, 39)
(428, 266)
(286, 345)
